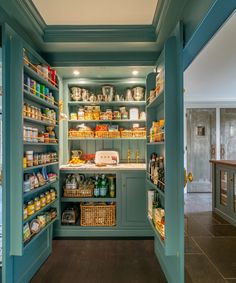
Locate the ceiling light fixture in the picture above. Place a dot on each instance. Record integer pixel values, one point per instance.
(135, 72)
(76, 73)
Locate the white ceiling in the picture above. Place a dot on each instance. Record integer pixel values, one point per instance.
(212, 75)
(92, 12)
(104, 72)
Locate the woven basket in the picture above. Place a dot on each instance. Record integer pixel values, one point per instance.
(114, 135)
(139, 134)
(97, 215)
(101, 134)
(79, 193)
(81, 134)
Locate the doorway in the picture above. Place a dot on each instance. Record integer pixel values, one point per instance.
(201, 147)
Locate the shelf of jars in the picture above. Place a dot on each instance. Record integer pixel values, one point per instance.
(40, 165)
(108, 121)
(103, 103)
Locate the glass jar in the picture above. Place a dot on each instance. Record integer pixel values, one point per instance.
(36, 159)
(30, 208)
(29, 158)
(48, 197)
(109, 114)
(53, 194)
(28, 110)
(43, 200)
(81, 114)
(116, 115)
(37, 204)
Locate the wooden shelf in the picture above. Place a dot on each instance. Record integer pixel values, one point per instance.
(31, 217)
(39, 100)
(157, 234)
(34, 75)
(35, 237)
(112, 103)
(40, 166)
(155, 188)
(40, 143)
(39, 189)
(107, 121)
(106, 139)
(88, 199)
(40, 122)
(157, 101)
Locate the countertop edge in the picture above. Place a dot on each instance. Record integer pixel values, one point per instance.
(123, 167)
(224, 162)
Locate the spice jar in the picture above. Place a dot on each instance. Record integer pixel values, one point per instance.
(36, 159)
(43, 200)
(30, 208)
(37, 204)
(53, 194)
(48, 197)
(29, 158)
(81, 114)
(25, 212)
(109, 114)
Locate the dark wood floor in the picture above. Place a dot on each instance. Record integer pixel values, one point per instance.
(210, 254)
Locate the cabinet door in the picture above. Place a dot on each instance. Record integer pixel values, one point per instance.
(223, 176)
(133, 199)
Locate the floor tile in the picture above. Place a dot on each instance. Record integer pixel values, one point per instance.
(199, 270)
(222, 252)
(194, 228)
(222, 230)
(190, 246)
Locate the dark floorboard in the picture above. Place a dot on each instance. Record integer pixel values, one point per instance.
(210, 254)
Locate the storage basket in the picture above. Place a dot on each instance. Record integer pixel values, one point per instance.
(126, 134)
(82, 192)
(97, 215)
(139, 134)
(101, 134)
(81, 134)
(114, 135)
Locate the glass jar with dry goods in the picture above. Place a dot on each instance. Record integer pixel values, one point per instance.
(48, 197)
(30, 208)
(37, 204)
(43, 200)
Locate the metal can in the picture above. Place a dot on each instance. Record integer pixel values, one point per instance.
(32, 86)
(42, 91)
(38, 89)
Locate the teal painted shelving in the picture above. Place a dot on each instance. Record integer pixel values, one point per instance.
(39, 212)
(40, 166)
(32, 74)
(39, 189)
(99, 199)
(112, 103)
(107, 121)
(40, 143)
(157, 235)
(40, 122)
(35, 237)
(155, 143)
(157, 101)
(39, 100)
(155, 188)
(105, 139)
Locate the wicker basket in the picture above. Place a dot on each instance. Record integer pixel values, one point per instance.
(114, 135)
(139, 134)
(81, 134)
(126, 134)
(79, 193)
(97, 215)
(101, 134)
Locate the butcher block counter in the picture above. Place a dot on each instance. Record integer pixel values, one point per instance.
(224, 189)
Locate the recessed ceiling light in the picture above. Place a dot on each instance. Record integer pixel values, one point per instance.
(135, 72)
(76, 72)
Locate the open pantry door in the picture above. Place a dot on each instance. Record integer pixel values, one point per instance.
(27, 217)
(165, 150)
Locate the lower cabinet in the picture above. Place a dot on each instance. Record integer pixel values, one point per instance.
(133, 196)
(225, 192)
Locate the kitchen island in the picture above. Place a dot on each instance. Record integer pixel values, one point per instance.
(129, 200)
(224, 189)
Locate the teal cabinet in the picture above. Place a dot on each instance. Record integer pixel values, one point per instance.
(224, 191)
(133, 199)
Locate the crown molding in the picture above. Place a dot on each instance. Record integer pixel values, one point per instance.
(67, 59)
(100, 33)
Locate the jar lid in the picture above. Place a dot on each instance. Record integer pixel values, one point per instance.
(36, 199)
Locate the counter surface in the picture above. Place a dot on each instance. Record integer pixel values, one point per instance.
(224, 162)
(119, 167)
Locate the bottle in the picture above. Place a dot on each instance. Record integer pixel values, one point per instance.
(112, 189)
(96, 190)
(103, 188)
